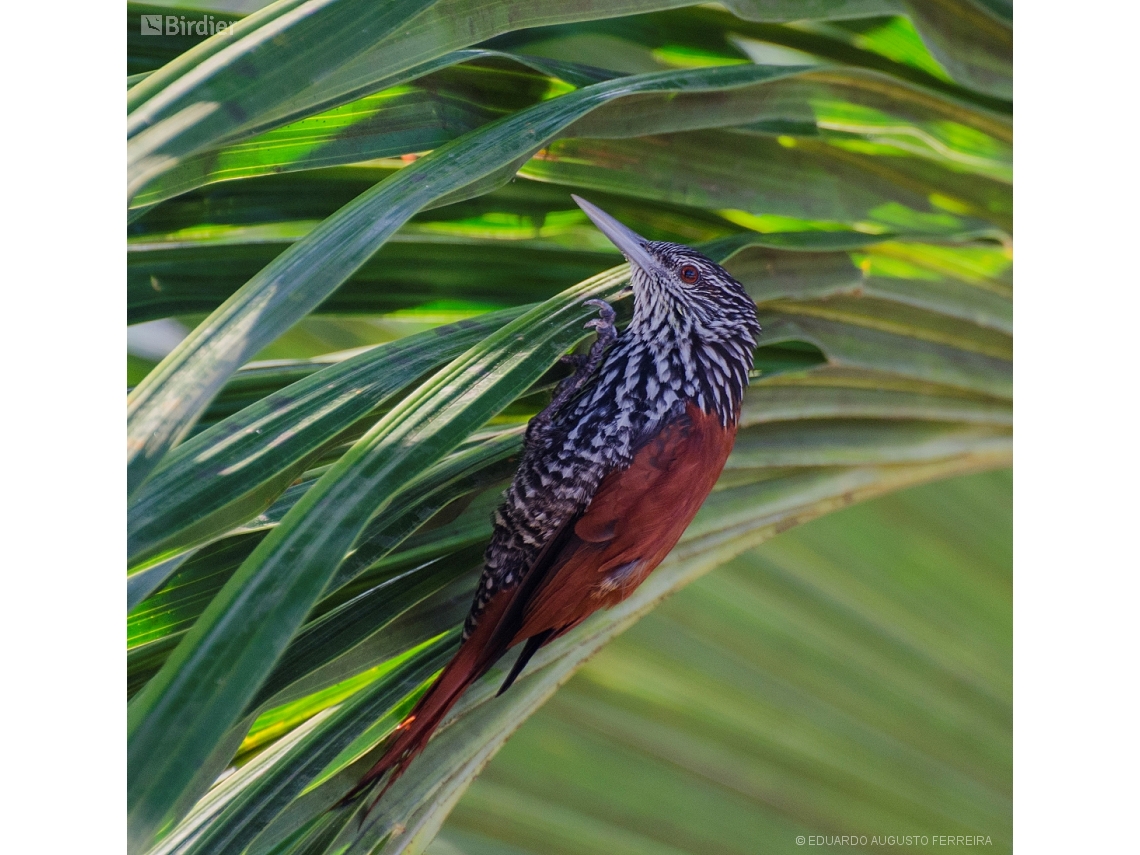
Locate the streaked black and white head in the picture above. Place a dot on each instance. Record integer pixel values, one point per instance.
(687, 306)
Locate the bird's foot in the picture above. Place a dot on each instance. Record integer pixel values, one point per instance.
(603, 324)
(584, 366)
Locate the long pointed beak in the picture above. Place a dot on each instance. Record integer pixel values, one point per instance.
(632, 245)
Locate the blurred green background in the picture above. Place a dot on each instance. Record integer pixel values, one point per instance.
(307, 267)
(851, 676)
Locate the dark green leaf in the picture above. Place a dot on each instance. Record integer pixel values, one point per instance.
(219, 665)
(229, 81)
(164, 406)
(231, 472)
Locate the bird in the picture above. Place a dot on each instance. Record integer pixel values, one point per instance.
(613, 470)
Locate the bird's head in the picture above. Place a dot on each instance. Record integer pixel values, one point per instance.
(678, 290)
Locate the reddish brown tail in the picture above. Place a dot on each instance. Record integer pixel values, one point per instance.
(477, 654)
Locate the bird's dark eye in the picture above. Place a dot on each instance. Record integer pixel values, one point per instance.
(690, 275)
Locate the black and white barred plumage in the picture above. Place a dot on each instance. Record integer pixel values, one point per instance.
(687, 341)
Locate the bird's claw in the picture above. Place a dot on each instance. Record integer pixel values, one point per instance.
(602, 325)
(601, 305)
(605, 310)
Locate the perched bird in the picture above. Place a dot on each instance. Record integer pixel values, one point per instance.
(613, 470)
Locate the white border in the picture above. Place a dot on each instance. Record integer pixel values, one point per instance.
(63, 341)
(1076, 472)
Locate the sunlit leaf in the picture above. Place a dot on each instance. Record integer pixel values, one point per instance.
(328, 202)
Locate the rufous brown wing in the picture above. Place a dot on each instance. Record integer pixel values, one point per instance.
(599, 558)
(613, 469)
(634, 520)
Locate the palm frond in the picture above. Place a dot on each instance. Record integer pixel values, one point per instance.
(364, 219)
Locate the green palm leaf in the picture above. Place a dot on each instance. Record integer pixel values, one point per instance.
(850, 677)
(313, 467)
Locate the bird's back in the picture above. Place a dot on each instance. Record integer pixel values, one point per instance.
(613, 470)
(596, 433)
